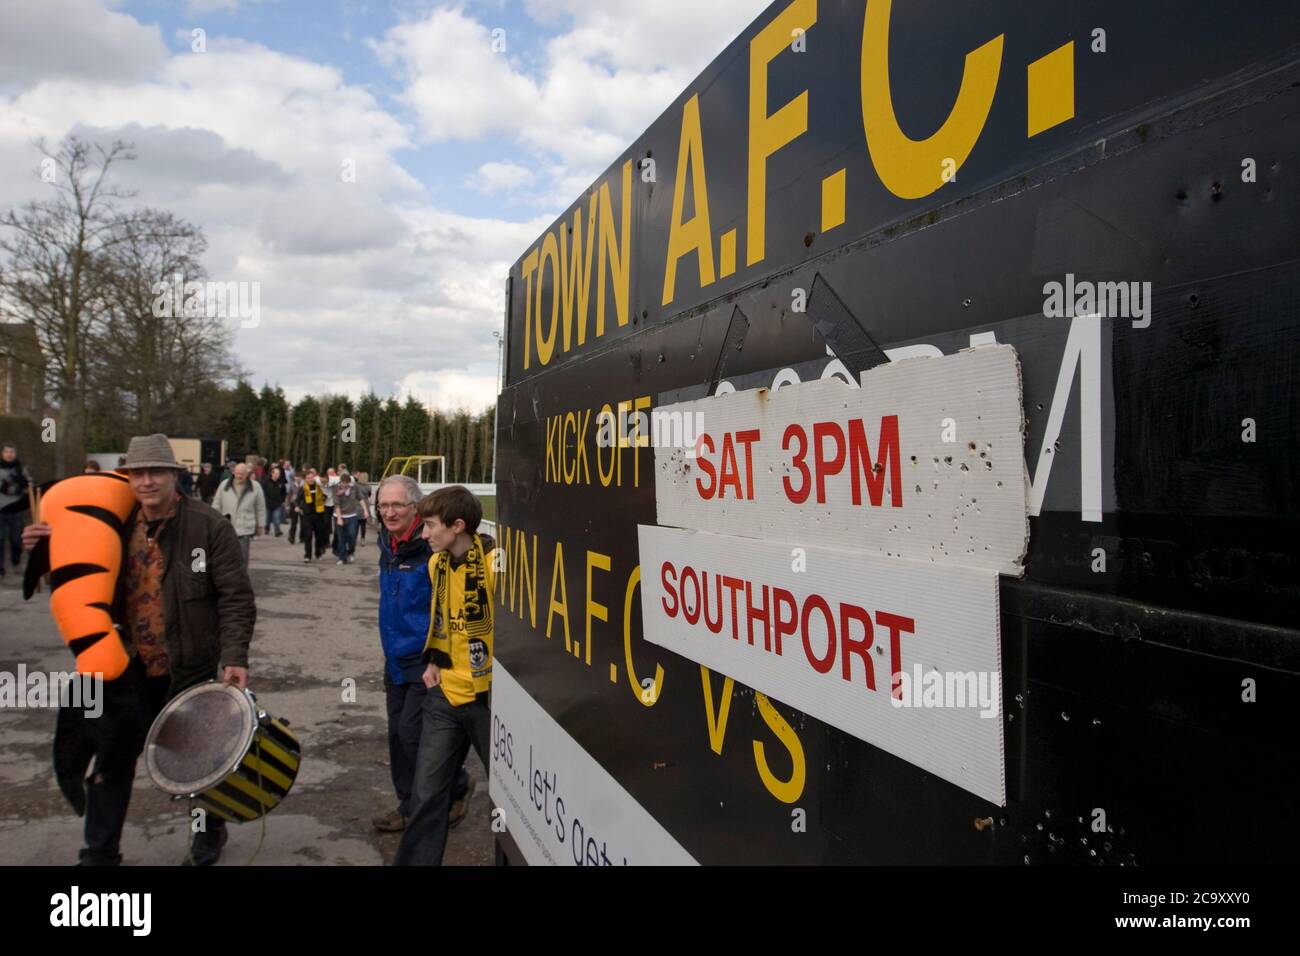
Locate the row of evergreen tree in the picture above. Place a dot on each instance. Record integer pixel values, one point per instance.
(328, 429)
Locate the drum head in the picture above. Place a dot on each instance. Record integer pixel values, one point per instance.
(199, 738)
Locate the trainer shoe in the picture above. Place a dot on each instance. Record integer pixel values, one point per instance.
(205, 849)
(390, 823)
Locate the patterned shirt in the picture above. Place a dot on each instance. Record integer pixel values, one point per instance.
(144, 601)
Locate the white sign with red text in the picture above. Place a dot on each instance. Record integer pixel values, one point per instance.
(903, 655)
(925, 461)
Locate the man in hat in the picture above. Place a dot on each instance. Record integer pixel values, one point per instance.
(185, 611)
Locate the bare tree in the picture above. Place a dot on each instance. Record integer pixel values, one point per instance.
(154, 348)
(54, 274)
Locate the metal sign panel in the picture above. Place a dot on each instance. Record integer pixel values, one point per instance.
(562, 807)
(925, 461)
(902, 655)
(1165, 495)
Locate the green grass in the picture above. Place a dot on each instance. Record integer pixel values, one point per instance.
(489, 507)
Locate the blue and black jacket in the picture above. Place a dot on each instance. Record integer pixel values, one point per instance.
(405, 597)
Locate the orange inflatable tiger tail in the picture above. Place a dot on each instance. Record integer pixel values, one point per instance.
(83, 555)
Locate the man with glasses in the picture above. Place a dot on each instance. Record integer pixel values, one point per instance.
(405, 599)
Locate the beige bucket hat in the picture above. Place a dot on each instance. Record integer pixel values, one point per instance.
(150, 451)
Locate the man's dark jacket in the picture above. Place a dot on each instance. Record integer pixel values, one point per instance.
(208, 601)
(209, 612)
(209, 482)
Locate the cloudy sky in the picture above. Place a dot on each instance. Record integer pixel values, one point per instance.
(463, 151)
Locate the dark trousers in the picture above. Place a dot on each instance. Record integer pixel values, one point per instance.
(345, 537)
(11, 527)
(445, 738)
(108, 791)
(315, 528)
(293, 525)
(405, 722)
(329, 526)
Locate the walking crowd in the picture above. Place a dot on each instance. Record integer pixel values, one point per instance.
(436, 583)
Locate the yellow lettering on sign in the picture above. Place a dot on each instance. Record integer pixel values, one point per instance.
(529, 267)
(546, 343)
(607, 427)
(767, 133)
(526, 578)
(594, 608)
(833, 200)
(575, 266)
(552, 460)
(1050, 82)
(646, 700)
(913, 168)
(694, 235)
(615, 251)
(717, 723)
(787, 791)
(569, 419)
(727, 253)
(623, 409)
(562, 605)
(642, 436)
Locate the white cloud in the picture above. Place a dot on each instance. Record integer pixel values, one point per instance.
(602, 81)
(453, 391)
(457, 85)
(494, 178)
(198, 7)
(365, 284)
(78, 39)
(360, 282)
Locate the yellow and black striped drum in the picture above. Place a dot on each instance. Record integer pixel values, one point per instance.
(212, 743)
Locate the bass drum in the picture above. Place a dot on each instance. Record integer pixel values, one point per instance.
(212, 743)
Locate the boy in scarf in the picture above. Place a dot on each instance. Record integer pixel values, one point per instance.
(458, 665)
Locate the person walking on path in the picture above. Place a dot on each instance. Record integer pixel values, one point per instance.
(311, 506)
(241, 500)
(364, 490)
(405, 599)
(183, 622)
(349, 508)
(15, 479)
(331, 482)
(292, 492)
(209, 482)
(273, 492)
(458, 665)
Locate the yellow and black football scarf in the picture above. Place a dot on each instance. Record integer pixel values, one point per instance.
(318, 500)
(477, 610)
